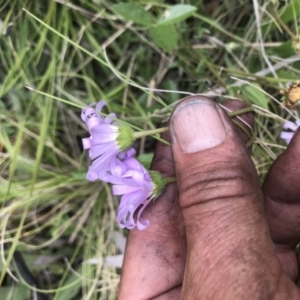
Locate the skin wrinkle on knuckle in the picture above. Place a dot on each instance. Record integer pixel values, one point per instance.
(215, 189)
(216, 168)
(220, 219)
(202, 186)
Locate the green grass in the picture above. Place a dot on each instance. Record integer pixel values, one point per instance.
(53, 64)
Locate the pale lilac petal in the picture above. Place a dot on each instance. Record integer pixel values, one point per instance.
(121, 189)
(109, 148)
(134, 164)
(137, 192)
(102, 163)
(125, 217)
(130, 202)
(91, 112)
(135, 199)
(93, 122)
(104, 128)
(140, 223)
(91, 176)
(100, 105)
(87, 112)
(104, 131)
(130, 182)
(114, 175)
(118, 171)
(287, 136)
(130, 152)
(103, 139)
(118, 168)
(110, 118)
(147, 177)
(110, 178)
(86, 143)
(100, 168)
(108, 127)
(127, 154)
(290, 125)
(137, 176)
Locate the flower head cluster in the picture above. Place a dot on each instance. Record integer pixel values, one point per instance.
(290, 129)
(105, 143)
(112, 158)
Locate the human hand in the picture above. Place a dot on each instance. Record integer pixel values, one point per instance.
(210, 236)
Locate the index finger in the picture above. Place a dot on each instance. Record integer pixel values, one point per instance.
(155, 258)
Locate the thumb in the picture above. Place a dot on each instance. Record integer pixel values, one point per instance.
(222, 204)
(211, 159)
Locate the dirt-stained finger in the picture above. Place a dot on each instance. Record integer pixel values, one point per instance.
(282, 202)
(155, 258)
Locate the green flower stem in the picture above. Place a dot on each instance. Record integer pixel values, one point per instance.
(139, 134)
(254, 133)
(170, 180)
(282, 24)
(251, 137)
(241, 111)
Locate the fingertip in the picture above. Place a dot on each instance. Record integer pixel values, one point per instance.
(207, 120)
(196, 125)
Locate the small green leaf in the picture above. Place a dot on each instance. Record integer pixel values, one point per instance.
(176, 13)
(146, 159)
(74, 282)
(254, 95)
(284, 50)
(15, 292)
(287, 13)
(78, 175)
(287, 75)
(133, 12)
(164, 37)
(171, 86)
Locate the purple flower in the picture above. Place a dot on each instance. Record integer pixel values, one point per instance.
(135, 185)
(110, 150)
(108, 142)
(292, 127)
